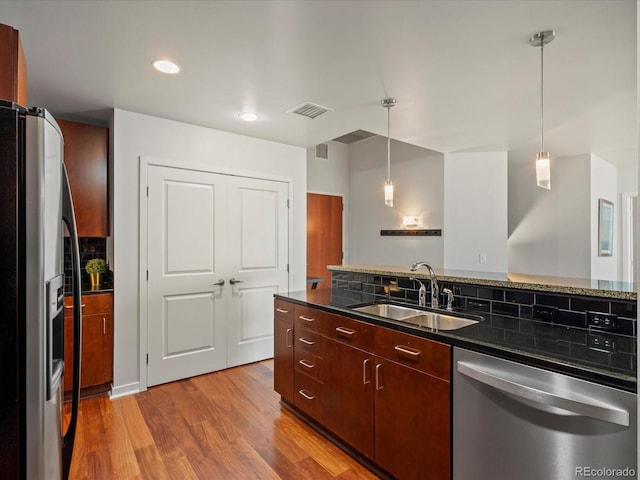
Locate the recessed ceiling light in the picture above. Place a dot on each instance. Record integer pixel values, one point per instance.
(248, 116)
(165, 66)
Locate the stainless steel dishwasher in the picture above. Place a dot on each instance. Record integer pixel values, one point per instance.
(516, 422)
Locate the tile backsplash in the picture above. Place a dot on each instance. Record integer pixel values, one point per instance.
(90, 247)
(613, 316)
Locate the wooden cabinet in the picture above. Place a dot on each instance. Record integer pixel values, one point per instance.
(412, 406)
(86, 158)
(283, 350)
(383, 392)
(13, 67)
(97, 344)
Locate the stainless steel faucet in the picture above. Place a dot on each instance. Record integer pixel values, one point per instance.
(435, 290)
(422, 293)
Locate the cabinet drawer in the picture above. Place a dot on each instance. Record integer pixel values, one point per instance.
(308, 341)
(352, 332)
(308, 396)
(308, 318)
(309, 363)
(422, 354)
(283, 310)
(95, 303)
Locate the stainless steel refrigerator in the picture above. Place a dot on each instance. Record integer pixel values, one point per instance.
(36, 208)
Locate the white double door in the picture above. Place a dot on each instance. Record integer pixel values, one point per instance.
(217, 252)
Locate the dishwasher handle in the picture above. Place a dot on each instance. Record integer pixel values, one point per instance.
(584, 407)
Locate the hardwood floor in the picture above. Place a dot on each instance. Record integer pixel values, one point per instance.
(224, 425)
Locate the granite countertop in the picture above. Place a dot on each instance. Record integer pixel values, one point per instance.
(574, 351)
(572, 286)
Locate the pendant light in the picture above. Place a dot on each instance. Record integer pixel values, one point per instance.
(543, 159)
(388, 185)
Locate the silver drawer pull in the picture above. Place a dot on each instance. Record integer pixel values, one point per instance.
(346, 331)
(379, 385)
(289, 335)
(305, 363)
(306, 395)
(69, 307)
(364, 372)
(407, 351)
(306, 319)
(306, 342)
(280, 310)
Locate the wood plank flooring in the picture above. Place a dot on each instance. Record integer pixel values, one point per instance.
(224, 425)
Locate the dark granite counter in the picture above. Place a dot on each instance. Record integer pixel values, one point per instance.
(605, 358)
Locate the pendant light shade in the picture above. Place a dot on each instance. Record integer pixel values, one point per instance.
(388, 185)
(543, 159)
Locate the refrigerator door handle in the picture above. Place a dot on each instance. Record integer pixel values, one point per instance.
(68, 216)
(584, 406)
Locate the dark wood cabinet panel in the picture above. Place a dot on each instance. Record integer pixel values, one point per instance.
(348, 395)
(413, 423)
(385, 393)
(13, 66)
(283, 358)
(86, 154)
(97, 344)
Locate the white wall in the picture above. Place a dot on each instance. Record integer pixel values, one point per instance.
(330, 176)
(418, 177)
(136, 135)
(604, 184)
(475, 211)
(549, 230)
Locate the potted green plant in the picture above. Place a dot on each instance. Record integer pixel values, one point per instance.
(95, 268)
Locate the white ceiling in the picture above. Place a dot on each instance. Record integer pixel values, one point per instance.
(462, 71)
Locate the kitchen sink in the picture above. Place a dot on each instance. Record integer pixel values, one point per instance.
(419, 318)
(387, 310)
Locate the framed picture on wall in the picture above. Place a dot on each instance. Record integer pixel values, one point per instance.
(605, 228)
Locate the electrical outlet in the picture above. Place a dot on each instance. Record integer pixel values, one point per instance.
(482, 258)
(602, 321)
(543, 312)
(601, 343)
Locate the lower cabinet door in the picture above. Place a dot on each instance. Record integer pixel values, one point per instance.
(283, 359)
(97, 349)
(412, 422)
(348, 395)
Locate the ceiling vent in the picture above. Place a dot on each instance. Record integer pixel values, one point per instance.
(354, 136)
(310, 110)
(322, 151)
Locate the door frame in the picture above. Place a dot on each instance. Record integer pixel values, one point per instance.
(145, 163)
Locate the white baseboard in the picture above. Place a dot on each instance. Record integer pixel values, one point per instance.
(123, 390)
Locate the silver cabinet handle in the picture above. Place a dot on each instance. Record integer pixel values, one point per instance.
(346, 331)
(233, 281)
(104, 326)
(219, 282)
(378, 385)
(280, 310)
(289, 336)
(69, 307)
(306, 342)
(306, 319)
(582, 406)
(305, 363)
(364, 372)
(407, 351)
(306, 395)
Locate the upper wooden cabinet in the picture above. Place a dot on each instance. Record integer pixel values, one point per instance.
(86, 154)
(13, 67)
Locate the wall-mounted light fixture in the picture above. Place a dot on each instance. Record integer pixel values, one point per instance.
(543, 159)
(410, 220)
(388, 185)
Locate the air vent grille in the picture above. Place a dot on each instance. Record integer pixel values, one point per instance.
(309, 110)
(322, 151)
(354, 136)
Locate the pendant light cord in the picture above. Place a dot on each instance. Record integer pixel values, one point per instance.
(388, 143)
(542, 94)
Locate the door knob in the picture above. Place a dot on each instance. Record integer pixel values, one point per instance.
(219, 282)
(233, 281)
